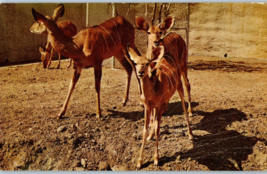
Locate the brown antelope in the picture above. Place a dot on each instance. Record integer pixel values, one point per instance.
(158, 85)
(174, 44)
(90, 47)
(67, 27)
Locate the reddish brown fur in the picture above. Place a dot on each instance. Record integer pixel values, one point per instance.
(90, 47)
(158, 86)
(174, 45)
(68, 28)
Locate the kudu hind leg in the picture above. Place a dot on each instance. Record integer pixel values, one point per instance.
(59, 57)
(76, 75)
(128, 68)
(181, 93)
(152, 124)
(69, 63)
(188, 89)
(98, 76)
(159, 112)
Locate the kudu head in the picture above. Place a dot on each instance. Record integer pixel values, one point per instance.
(38, 27)
(154, 32)
(44, 55)
(142, 63)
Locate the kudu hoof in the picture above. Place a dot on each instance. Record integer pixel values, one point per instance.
(191, 138)
(59, 116)
(139, 164)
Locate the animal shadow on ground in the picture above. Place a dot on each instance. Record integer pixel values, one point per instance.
(173, 109)
(177, 109)
(220, 149)
(226, 66)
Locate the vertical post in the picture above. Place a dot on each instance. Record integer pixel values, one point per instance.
(187, 29)
(87, 15)
(113, 15)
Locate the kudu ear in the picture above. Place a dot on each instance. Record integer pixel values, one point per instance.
(158, 53)
(132, 53)
(40, 48)
(38, 16)
(58, 12)
(167, 23)
(141, 24)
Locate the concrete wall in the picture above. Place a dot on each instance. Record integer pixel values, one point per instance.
(17, 43)
(235, 29)
(216, 29)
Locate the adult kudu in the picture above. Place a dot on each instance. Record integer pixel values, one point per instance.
(66, 26)
(158, 86)
(90, 47)
(176, 51)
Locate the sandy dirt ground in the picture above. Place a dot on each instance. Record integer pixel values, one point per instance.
(229, 120)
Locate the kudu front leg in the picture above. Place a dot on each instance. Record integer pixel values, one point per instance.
(98, 75)
(147, 114)
(75, 78)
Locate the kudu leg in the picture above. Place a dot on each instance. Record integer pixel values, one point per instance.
(188, 89)
(69, 63)
(75, 78)
(51, 57)
(98, 75)
(133, 68)
(59, 57)
(147, 113)
(152, 124)
(128, 68)
(181, 93)
(159, 112)
(139, 83)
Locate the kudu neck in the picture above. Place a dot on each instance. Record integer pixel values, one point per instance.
(149, 49)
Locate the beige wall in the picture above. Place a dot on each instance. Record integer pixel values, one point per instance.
(238, 29)
(16, 42)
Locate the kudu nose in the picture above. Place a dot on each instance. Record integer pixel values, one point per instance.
(156, 43)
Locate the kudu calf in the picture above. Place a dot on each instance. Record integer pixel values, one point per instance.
(158, 85)
(175, 48)
(90, 47)
(66, 26)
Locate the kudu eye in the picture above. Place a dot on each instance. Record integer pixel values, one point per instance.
(147, 64)
(148, 33)
(160, 32)
(135, 64)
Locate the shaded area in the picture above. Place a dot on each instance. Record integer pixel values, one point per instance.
(173, 109)
(226, 66)
(222, 149)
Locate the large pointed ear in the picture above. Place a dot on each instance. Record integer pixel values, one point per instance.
(38, 16)
(58, 12)
(40, 48)
(141, 24)
(158, 53)
(167, 23)
(132, 53)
